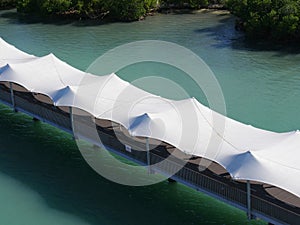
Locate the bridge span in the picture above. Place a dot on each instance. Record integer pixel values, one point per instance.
(252, 198)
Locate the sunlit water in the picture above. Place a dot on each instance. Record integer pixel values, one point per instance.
(44, 180)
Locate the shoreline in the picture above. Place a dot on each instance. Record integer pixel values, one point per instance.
(187, 11)
(103, 19)
(62, 19)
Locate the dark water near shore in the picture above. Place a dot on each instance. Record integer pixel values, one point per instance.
(44, 180)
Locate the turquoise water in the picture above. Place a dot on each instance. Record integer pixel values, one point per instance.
(44, 180)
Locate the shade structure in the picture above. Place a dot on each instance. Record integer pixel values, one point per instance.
(15, 87)
(282, 195)
(43, 98)
(9, 53)
(246, 152)
(46, 75)
(95, 94)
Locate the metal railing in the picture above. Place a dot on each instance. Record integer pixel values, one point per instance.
(228, 192)
(46, 112)
(201, 181)
(5, 95)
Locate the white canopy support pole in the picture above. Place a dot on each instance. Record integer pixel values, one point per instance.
(249, 200)
(148, 155)
(72, 121)
(12, 96)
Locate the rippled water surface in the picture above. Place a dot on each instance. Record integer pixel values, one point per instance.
(44, 180)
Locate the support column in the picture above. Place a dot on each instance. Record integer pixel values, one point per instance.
(12, 96)
(249, 216)
(72, 121)
(148, 155)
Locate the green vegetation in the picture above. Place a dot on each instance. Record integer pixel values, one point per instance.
(124, 10)
(7, 4)
(271, 19)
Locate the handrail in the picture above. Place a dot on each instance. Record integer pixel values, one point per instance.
(254, 197)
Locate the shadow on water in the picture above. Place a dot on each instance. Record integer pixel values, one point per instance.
(177, 11)
(227, 36)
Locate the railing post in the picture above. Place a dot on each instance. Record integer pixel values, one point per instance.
(148, 155)
(12, 97)
(249, 216)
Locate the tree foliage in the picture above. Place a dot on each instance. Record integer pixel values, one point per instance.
(7, 4)
(125, 10)
(273, 19)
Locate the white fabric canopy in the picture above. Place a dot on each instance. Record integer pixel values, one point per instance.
(247, 153)
(46, 75)
(9, 53)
